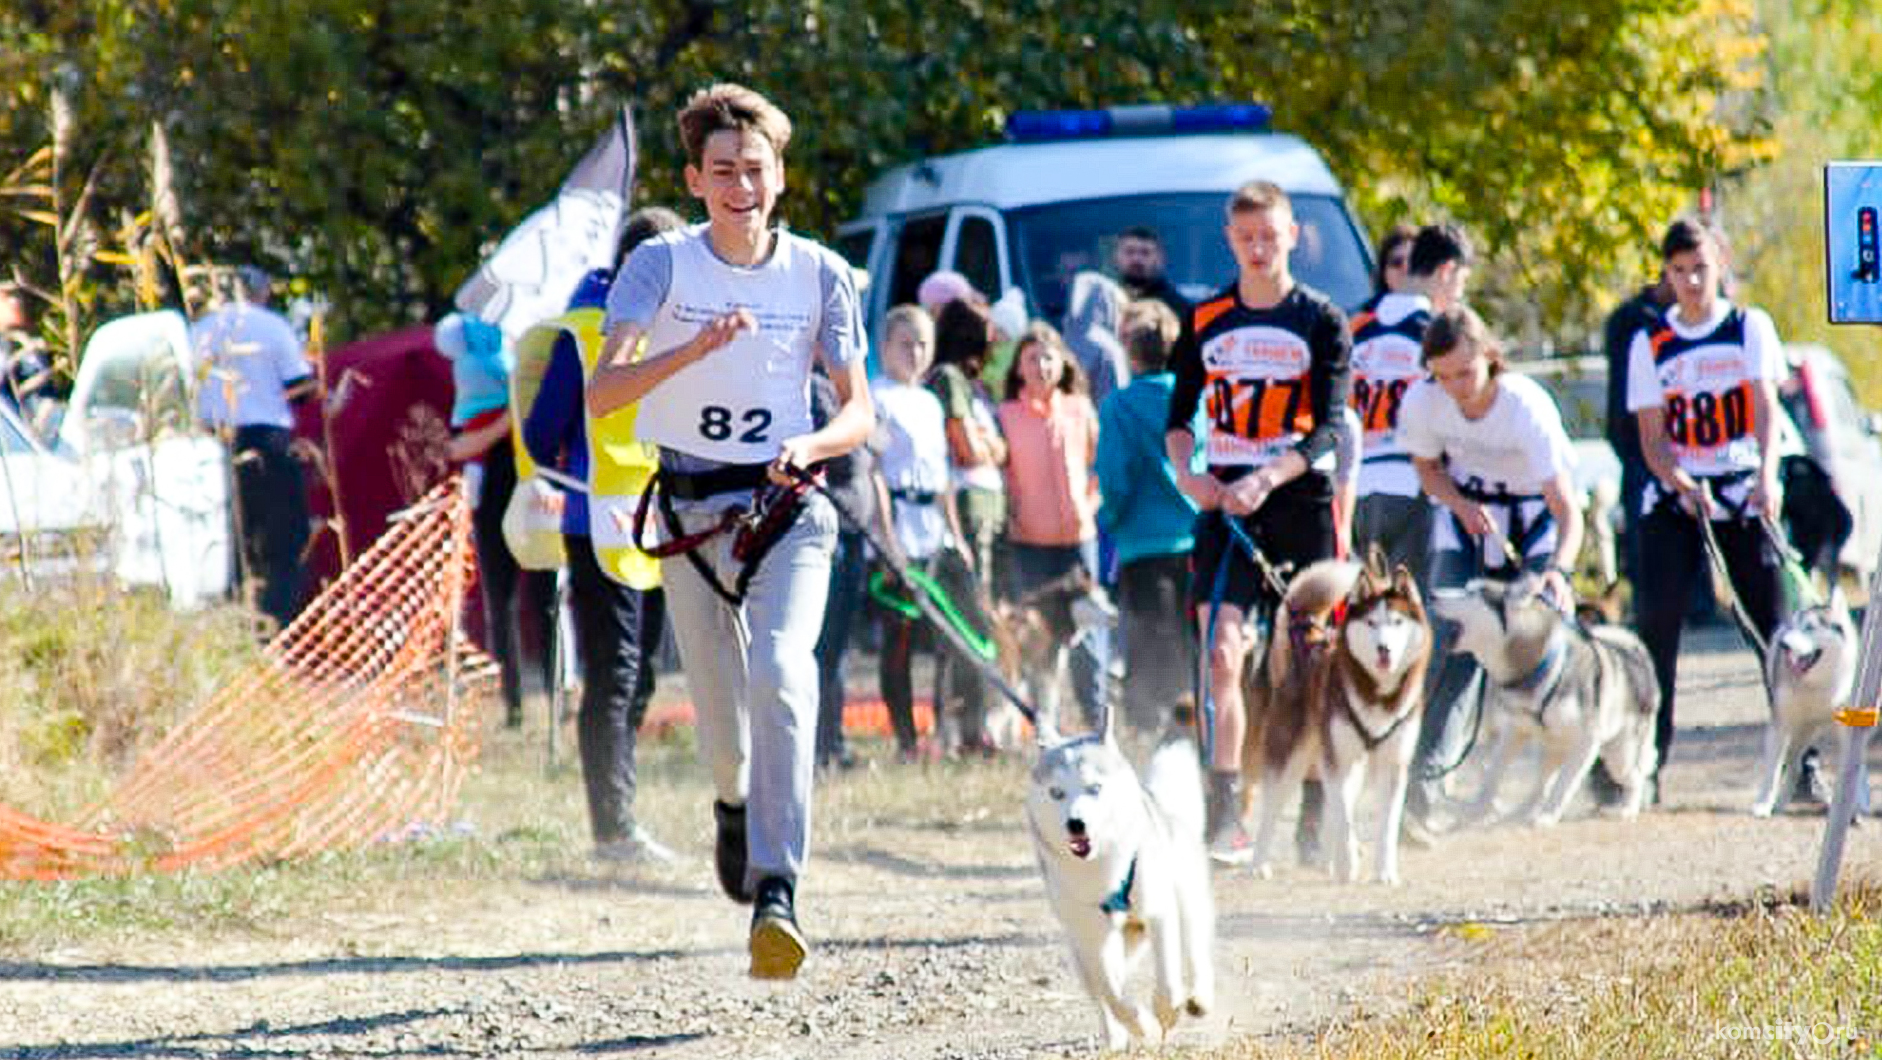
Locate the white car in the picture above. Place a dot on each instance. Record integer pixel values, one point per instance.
(52, 516)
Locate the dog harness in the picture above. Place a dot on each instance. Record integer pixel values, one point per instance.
(1541, 680)
(1366, 736)
(773, 511)
(1120, 900)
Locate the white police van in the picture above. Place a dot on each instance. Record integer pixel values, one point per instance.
(1048, 203)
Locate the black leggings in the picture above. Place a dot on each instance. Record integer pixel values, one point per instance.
(1674, 559)
(509, 591)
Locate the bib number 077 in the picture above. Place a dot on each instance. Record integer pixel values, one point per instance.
(717, 423)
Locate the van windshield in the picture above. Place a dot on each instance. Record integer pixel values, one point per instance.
(1053, 243)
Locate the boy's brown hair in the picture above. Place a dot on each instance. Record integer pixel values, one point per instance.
(723, 106)
(1148, 330)
(1259, 195)
(1460, 326)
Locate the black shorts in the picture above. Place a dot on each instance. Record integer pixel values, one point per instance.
(1294, 528)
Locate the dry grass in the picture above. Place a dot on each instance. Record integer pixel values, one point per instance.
(1756, 980)
(89, 674)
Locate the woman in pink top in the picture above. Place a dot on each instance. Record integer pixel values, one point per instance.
(1051, 434)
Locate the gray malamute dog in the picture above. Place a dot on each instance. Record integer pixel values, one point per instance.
(1810, 668)
(1125, 869)
(1580, 694)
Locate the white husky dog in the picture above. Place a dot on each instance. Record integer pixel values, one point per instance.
(1579, 694)
(1125, 866)
(1810, 668)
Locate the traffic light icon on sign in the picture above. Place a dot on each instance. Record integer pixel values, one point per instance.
(1868, 268)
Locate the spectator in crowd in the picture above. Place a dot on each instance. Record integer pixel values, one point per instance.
(1151, 521)
(1091, 333)
(1639, 313)
(1139, 260)
(730, 411)
(618, 625)
(25, 371)
(976, 454)
(915, 504)
(1391, 270)
(481, 440)
(942, 286)
(255, 372)
(1052, 437)
(851, 477)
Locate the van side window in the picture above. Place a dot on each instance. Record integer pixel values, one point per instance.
(977, 254)
(917, 253)
(854, 246)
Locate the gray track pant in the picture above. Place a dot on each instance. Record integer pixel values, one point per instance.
(752, 673)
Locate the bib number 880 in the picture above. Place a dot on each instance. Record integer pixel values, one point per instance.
(716, 424)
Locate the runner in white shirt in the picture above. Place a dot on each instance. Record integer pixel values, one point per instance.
(1703, 384)
(1490, 449)
(732, 312)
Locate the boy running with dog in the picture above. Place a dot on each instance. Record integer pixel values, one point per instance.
(732, 311)
(1268, 361)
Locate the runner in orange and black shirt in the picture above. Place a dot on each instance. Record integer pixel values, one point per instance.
(1267, 360)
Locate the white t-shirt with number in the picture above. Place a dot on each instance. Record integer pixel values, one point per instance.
(738, 404)
(1702, 376)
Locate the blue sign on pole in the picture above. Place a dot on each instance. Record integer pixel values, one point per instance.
(1852, 197)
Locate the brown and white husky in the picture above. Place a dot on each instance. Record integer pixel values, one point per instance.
(1340, 696)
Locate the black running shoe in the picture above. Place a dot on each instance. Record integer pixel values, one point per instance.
(777, 946)
(729, 853)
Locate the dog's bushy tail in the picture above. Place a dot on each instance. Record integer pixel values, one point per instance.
(1638, 664)
(1174, 775)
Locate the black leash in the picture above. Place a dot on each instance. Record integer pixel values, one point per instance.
(919, 596)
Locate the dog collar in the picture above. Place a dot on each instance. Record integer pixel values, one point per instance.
(1544, 669)
(1120, 900)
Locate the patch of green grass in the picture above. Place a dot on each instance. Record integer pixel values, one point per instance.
(1753, 981)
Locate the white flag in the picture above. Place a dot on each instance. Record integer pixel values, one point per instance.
(536, 268)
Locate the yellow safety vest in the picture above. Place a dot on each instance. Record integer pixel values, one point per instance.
(619, 464)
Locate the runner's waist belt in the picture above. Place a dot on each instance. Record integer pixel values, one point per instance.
(698, 485)
(914, 496)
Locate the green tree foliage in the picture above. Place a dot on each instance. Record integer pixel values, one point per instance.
(375, 147)
(1827, 89)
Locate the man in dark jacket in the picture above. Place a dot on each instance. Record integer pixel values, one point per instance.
(1643, 310)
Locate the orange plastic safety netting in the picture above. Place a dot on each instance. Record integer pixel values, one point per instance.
(360, 721)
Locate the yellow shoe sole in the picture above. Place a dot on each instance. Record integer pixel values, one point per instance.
(777, 949)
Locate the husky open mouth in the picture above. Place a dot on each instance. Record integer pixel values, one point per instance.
(1080, 846)
(1801, 661)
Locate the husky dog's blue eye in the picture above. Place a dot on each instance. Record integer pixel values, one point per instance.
(1057, 793)
(1093, 789)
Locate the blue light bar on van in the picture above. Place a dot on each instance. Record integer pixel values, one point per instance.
(1034, 126)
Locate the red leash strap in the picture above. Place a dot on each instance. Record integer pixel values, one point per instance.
(683, 543)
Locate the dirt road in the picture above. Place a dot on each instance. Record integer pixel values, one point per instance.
(933, 938)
